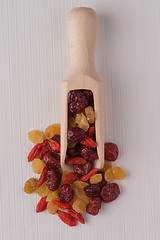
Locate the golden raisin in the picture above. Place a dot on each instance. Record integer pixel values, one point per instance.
(43, 190)
(30, 185)
(108, 175)
(73, 200)
(96, 178)
(79, 206)
(37, 166)
(63, 175)
(53, 196)
(80, 184)
(118, 173)
(79, 193)
(36, 136)
(52, 130)
(72, 123)
(107, 165)
(90, 114)
(52, 208)
(82, 122)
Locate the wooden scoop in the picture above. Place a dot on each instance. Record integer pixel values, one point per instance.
(82, 31)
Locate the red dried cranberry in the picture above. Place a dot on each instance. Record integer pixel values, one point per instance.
(56, 138)
(88, 153)
(82, 169)
(87, 167)
(77, 101)
(75, 134)
(53, 178)
(89, 96)
(66, 193)
(92, 190)
(52, 159)
(111, 151)
(110, 192)
(73, 152)
(94, 206)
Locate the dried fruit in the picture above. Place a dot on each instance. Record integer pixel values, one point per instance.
(36, 136)
(32, 154)
(71, 177)
(62, 205)
(54, 145)
(107, 165)
(94, 206)
(43, 190)
(42, 177)
(110, 192)
(63, 175)
(53, 196)
(72, 123)
(82, 122)
(67, 218)
(90, 114)
(92, 190)
(77, 101)
(87, 167)
(118, 173)
(75, 134)
(44, 150)
(83, 142)
(80, 184)
(108, 175)
(56, 138)
(52, 159)
(73, 152)
(42, 204)
(91, 131)
(30, 186)
(66, 193)
(77, 216)
(89, 96)
(53, 178)
(71, 145)
(111, 151)
(52, 130)
(82, 169)
(87, 176)
(37, 166)
(96, 178)
(79, 206)
(90, 141)
(52, 208)
(88, 153)
(80, 194)
(75, 160)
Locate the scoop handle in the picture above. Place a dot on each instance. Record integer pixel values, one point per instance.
(82, 32)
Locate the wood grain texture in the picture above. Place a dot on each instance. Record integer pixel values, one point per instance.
(33, 61)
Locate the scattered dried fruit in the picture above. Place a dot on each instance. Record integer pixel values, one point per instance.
(96, 178)
(52, 159)
(37, 166)
(52, 130)
(118, 173)
(54, 145)
(43, 190)
(53, 178)
(82, 122)
(62, 205)
(92, 190)
(71, 177)
(80, 184)
(53, 196)
(90, 141)
(94, 206)
(77, 101)
(110, 192)
(79, 206)
(75, 134)
(74, 152)
(66, 193)
(67, 218)
(56, 138)
(77, 216)
(111, 151)
(91, 131)
(108, 175)
(30, 186)
(87, 176)
(42, 177)
(107, 165)
(90, 114)
(89, 154)
(36, 136)
(75, 160)
(42, 204)
(44, 150)
(32, 154)
(80, 194)
(52, 208)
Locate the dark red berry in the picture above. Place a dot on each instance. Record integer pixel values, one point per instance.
(111, 151)
(87, 167)
(89, 154)
(94, 206)
(92, 190)
(110, 192)
(75, 134)
(56, 138)
(82, 169)
(53, 178)
(66, 193)
(73, 152)
(77, 101)
(89, 96)
(52, 159)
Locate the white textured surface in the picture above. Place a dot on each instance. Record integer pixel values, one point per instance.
(33, 61)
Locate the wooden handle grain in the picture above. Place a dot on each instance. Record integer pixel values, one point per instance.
(82, 31)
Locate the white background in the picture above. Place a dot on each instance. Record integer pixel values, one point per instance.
(33, 61)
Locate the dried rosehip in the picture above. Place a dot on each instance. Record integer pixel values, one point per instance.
(73, 152)
(53, 178)
(111, 151)
(56, 138)
(71, 177)
(77, 216)
(52, 159)
(77, 101)
(75, 134)
(110, 192)
(75, 160)
(88, 153)
(92, 190)
(66, 193)
(67, 218)
(42, 204)
(94, 206)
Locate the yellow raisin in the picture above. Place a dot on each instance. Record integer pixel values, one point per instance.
(90, 114)
(118, 173)
(108, 175)
(72, 123)
(73, 200)
(96, 178)
(79, 193)
(80, 184)
(43, 190)
(63, 175)
(30, 185)
(79, 206)
(107, 165)
(53, 196)
(37, 166)
(36, 136)
(82, 122)
(52, 208)
(52, 130)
